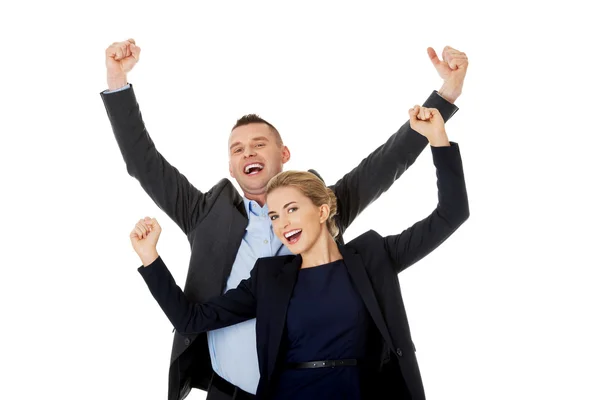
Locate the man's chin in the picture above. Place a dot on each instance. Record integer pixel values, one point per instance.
(256, 187)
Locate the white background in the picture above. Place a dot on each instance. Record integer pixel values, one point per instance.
(506, 308)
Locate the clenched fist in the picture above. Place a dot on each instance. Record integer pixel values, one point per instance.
(121, 57)
(429, 123)
(144, 238)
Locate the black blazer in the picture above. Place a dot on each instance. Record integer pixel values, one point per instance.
(215, 221)
(373, 263)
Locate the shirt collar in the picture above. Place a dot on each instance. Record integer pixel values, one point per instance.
(253, 207)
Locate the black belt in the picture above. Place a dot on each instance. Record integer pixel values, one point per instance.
(229, 389)
(323, 364)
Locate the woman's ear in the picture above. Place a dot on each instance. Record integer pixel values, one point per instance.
(324, 213)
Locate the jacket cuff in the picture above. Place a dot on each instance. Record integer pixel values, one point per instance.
(151, 268)
(445, 155)
(120, 102)
(445, 108)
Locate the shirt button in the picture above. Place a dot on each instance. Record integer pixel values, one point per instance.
(399, 352)
(266, 241)
(187, 341)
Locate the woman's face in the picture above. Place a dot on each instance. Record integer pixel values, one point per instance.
(297, 222)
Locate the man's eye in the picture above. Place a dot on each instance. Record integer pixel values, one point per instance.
(236, 151)
(260, 145)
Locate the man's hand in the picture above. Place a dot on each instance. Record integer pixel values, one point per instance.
(121, 57)
(144, 238)
(429, 123)
(452, 69)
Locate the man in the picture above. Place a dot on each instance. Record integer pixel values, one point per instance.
(228, 232)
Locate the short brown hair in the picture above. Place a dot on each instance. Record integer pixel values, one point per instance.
(312, 187)
(256, 119)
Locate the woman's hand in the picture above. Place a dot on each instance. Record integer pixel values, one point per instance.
(429, 123)
(144, 237)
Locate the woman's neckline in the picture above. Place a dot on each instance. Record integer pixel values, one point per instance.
(323, 265)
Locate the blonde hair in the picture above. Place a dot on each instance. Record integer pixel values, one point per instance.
(312, 187)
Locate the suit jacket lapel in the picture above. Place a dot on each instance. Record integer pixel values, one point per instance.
(235, 232)
(359, 276)
(283, 288)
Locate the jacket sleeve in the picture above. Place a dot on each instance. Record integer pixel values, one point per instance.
(379, 170)
(234, 306)
(170, 190)
(452, 210)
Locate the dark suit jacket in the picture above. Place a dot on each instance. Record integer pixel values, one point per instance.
(215, 221)
(373, 263)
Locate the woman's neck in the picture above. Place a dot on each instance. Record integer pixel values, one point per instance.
(323, 251)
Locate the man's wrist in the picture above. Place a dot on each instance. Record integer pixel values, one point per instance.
(449, 92)
(116, 82)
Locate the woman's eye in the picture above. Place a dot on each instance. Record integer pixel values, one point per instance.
(292, 209)
(273, 217)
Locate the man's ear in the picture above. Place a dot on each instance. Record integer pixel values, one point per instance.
(285, 155)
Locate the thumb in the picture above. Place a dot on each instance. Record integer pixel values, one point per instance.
(433, 57)
(412, 113)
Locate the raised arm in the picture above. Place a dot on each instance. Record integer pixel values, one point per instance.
(235, 306)
(452, 209)
(377, 172)
(170, 190)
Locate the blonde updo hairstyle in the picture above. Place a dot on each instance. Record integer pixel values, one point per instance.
(312, 187)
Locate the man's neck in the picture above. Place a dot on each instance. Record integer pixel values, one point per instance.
(261, 199)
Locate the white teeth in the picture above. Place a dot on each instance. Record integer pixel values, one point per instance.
(255, 165)
(287, 235)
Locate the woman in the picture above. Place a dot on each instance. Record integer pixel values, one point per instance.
(330, 320)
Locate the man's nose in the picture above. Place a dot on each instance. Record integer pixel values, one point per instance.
(249, 152)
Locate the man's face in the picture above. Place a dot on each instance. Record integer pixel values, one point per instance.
(255, 156)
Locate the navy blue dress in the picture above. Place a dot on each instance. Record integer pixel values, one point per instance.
(326, 320)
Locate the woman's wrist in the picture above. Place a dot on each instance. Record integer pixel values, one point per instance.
(148, 257)
(439, 139)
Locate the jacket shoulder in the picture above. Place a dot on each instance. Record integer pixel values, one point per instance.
(365, 241)
(224, 189)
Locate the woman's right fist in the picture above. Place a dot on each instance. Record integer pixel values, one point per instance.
(144, 238)
(121, 57)
(429, 123)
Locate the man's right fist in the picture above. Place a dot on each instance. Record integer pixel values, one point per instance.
(121, 57)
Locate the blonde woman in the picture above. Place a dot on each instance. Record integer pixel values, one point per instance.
(330, 319)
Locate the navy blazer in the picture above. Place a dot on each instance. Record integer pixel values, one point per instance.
(373, 263)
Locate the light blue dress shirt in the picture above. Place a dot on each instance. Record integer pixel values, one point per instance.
(232, 349)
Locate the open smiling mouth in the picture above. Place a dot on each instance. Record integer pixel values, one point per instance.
(293, 236)
(253, 169)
